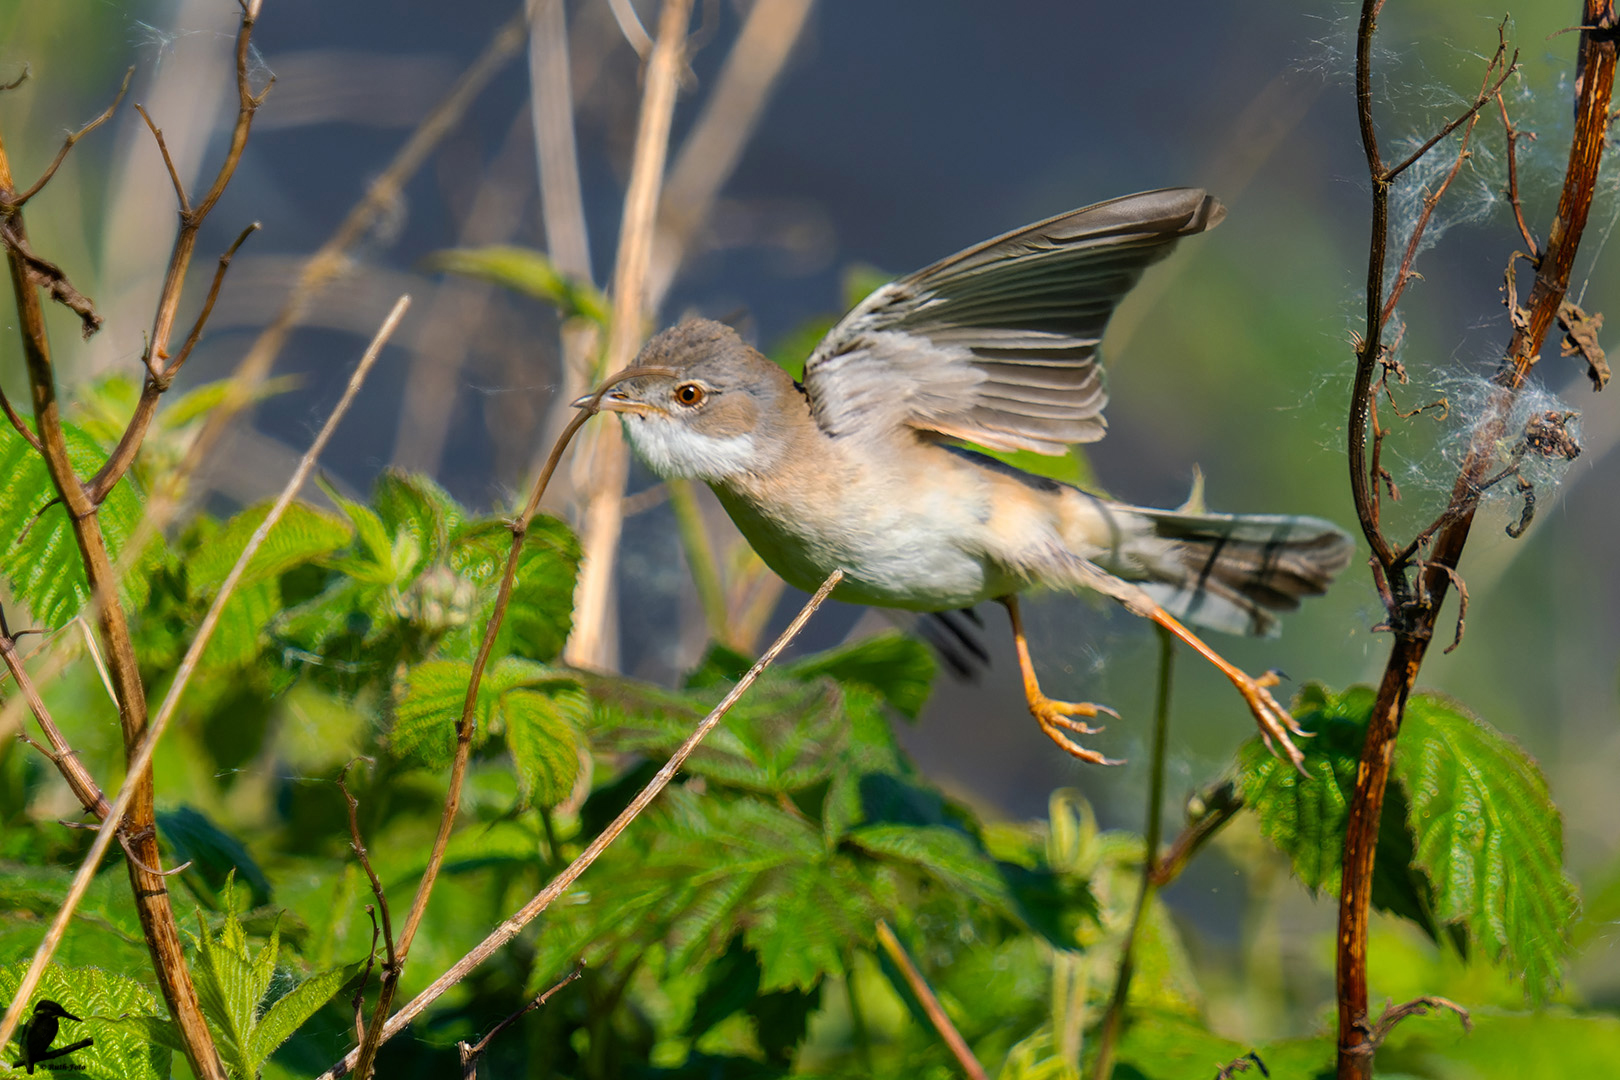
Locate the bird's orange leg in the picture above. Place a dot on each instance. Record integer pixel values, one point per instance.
(1275, 721)
(1055, 717)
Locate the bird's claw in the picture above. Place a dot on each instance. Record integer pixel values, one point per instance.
(1056, 717)
(1276, 722)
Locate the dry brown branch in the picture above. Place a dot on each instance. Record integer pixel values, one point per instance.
(137, 779)
(1414, 606)
(161, 368)
(930, 1003)
(509, 929)
(136, 798)
(471, 1052)
(20, 425)
(68, 143)
(1394, 1014)
(1513, 135)
(602, 517)
(1241, 1065)
(63, 756)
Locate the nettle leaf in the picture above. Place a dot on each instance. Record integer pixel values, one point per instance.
(303, 535)
(435, 692)
(132, 1039)
(293, 1009)
(542, 738)
(413, 504)
(539, 615)
(1470, 841)
(948, 855)
(41, 558)
(899, 667)
(1489, 837)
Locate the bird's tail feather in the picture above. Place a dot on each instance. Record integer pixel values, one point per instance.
(1234, 572)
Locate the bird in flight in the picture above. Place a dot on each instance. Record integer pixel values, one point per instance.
(868, 465)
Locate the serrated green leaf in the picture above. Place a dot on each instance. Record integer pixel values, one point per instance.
(228, 992)
(435, 693)
(544, 744)
(1489, 837)
(303, 535)
(426, 714)
(948, 855)
(812, 915)
(377, 561)
(99, 998)
(900, 668)
(539, 615)
(1470, 838)
(42, 563)
(1305, 818)
(413, 504)
(292, 1010)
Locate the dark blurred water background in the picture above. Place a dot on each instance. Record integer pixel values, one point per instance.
(899, 133)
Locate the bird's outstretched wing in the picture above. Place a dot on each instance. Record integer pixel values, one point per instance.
(998, 344)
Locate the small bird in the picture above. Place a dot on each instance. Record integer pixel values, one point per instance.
(43, 1025)
(866, 465)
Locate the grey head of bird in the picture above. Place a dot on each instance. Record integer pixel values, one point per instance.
(701, 403)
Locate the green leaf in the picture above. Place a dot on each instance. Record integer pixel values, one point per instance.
(137, 1048)
(303, 535)
(229, 988)
(539, 615)
(436, 692)
(541, 737)
(292, 1010)
(42, 563)
(1489, 837)
(807, 922)
(1470, 841)
(526, 271)
(216, 856)
(948, 855)
(413, 504)
(899, 667)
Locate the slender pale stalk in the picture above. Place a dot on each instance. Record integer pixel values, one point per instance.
(591, 644)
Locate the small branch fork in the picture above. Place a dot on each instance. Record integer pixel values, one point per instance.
(63, 756)
(358, 844)
(471, 1052)
(1413, 588)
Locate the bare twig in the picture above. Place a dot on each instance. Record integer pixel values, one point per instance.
(1241, 1064)
(504, 933)
(930, 1003)
(1394, 1014)
(470, 1053)
(67, 144)
(602, 517)
(63, 756)
(168, 160)
(1114, 1019)
(357, 842)
(142, 759)
(1513, 135)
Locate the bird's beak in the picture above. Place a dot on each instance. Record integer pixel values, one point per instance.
(615, 400)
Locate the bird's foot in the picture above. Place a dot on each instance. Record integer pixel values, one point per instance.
(1276, 723)
(1057, 717)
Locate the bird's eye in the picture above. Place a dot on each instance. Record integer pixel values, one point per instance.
(689, 394)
